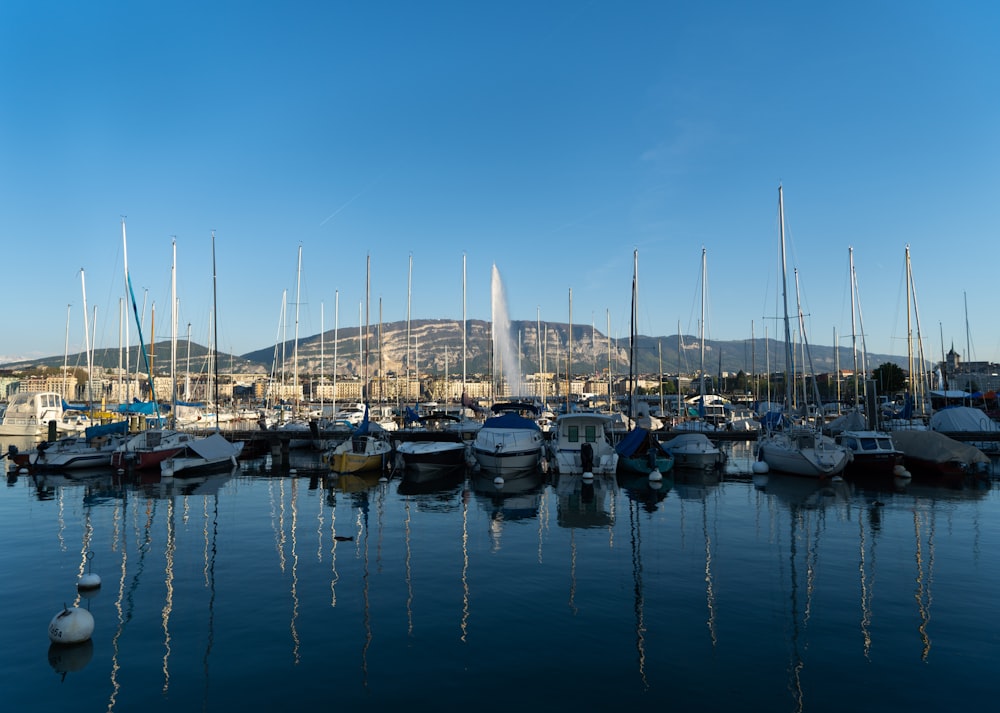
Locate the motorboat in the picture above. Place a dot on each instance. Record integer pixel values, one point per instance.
(509, 444)
(430, 448)
(694, 451)
(30, 413)
(147, 449)
(93, 449)
(367, 449)
(873, 453)
(582, 444)
(933, 454)
(202, 455)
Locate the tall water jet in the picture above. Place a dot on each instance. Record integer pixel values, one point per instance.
(505, 364)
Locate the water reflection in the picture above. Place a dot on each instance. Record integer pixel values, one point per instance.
(683, 578)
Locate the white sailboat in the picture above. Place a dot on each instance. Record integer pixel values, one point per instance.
(786, 447)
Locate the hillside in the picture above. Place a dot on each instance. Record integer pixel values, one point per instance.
(436, 347)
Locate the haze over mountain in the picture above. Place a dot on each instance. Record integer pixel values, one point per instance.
(437, 347)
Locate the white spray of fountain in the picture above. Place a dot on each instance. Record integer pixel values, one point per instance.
(505, 361)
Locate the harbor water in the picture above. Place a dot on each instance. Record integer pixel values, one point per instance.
(271, 588)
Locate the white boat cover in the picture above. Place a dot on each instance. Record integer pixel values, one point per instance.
(213, 447)
(936, 447)
(962, 418)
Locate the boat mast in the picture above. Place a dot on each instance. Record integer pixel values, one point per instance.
(128, 295)
(215, 337)
(368, 296)
(86, 328)
(854, 331)
(464, 332)
(409, 294)
(632, 339)
(173, 334)
(65, 384)
(295, 348)
(569, 352)
(784, 297)
(336, 341)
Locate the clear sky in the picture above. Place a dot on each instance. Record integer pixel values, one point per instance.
(550, 138)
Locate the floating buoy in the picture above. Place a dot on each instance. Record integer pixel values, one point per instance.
(760, 467)
(71, 626)
(900, 471)
(383, 479)
(655, 476)
(89, 581)
(588, 476)
(837, 479)
(498, 481)
(292, 471)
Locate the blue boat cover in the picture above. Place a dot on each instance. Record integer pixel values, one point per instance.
(140, 407)
(106, 429)
(511, 420)
(631, 442)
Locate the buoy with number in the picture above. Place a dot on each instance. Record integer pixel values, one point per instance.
(72, 625)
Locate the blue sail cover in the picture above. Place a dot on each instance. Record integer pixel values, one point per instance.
(362, 428)
(70, 407)
(628, 445)
(106, 429)
(139, 407)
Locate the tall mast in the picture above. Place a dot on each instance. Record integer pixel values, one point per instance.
(854, 331)
(128, 295)
(632, 338)
(215, 337)
(784, 297)
(65, 384)
(86, 328)
(409, 293)
(368, 290)
(295, 349)
(569, 352)
(336, 343)
(173, 334)
(464, 330)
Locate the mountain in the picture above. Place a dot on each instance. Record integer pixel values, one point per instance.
(436, 347)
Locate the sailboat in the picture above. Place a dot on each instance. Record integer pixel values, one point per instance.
(796, 449)
(700, 423)
(368, 449)
(639, 452)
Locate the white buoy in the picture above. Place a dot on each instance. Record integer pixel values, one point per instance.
(837, 479)
(759, 467)
(292, 471)
(71, 626)
(588, 476)
(498, 481)
(901, 472)
(89, 581)
(655, 476)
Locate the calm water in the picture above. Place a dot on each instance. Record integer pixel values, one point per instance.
(264, 589)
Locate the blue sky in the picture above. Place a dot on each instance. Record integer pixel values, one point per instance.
(550, 138)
